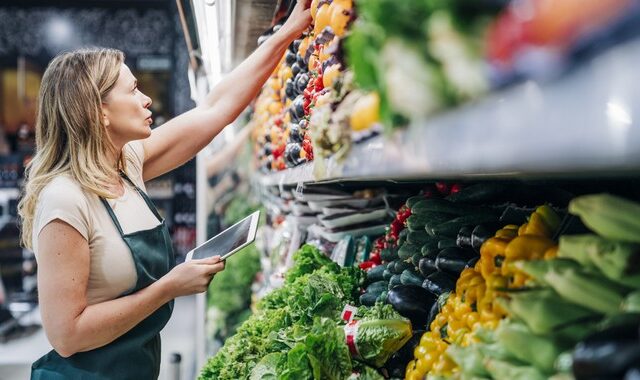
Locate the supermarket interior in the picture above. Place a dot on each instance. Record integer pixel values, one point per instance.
(447, 189)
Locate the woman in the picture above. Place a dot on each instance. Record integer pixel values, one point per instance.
(106, 279)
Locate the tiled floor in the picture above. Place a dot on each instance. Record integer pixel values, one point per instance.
(178, 336)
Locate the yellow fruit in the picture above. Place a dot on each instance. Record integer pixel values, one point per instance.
(340, 17)
(314, 8)
(366, 112)
(323, 19)
(323, 55)
(330, 75)
(304, 45)
(313, 62)
(420, 351)
(286, 73)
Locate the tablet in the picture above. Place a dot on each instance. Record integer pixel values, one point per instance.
(229, 241)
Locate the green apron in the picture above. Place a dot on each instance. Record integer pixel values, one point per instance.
(136, 354)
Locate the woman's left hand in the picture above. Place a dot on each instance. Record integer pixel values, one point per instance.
(299, 20)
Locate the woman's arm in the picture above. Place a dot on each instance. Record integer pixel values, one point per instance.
(181, 138)
(63, 271)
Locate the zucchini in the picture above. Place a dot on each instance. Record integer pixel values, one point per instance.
(439, 283)
(454, 260)
(464, 237)
(418, 237)
(395, 281)
(447, 243)
(382, 297)
(515, 215)
(409, 277)
(399, 266)
(375, 274)
(442, 206)
(389, 254)
(427, 266)
(452, 227)
(407, 250)
(377, 287)
(386, 275)
(368, 299)
(481, 193)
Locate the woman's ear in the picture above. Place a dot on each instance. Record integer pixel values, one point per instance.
(105, 118)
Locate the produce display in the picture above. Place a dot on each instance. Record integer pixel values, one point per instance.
(533, 309)
(298, 331)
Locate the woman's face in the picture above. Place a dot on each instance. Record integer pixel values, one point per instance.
(126, 110)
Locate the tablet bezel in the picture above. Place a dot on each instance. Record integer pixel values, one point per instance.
(253, 228)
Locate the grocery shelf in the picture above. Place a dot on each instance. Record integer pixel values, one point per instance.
(585, 123)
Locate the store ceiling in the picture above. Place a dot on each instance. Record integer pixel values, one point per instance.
(253, 17)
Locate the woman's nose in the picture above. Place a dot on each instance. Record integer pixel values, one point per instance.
(147, 101)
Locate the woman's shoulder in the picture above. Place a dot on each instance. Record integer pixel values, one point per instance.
(63, 188)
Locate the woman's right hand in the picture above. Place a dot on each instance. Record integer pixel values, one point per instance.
(193, 276)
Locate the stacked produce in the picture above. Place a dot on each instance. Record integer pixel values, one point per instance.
(527, 303)
(309, 105)
(420, 56)
(298, 331)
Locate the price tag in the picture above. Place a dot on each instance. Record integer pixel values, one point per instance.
(348, 312)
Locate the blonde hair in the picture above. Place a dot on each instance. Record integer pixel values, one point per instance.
(71, 138)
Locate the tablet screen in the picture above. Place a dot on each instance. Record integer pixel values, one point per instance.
(225, 242)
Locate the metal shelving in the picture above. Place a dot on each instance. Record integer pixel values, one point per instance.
(584, 124)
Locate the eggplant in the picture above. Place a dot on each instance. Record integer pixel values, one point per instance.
(464, 237)
(292, 154)
(427, 266)
(412, 302)
(433, 313)
(397, 363)
(296, 135)
(482, 233)
(609, 353)
(290, 89)
(439, 282)
(290, 58)
(295, 69)
(301, 82)
(454, 260)
(295, 45)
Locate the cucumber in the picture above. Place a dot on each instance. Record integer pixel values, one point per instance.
(447, 243)
(386, 275)
(368, 299)
(413, 200)
(442, 206)
(435, 222)
(382, 297)
(407, 250)
(430, 250)
(399, 266)
(454, 260)
(408, 277)
(395, 281)
(418, 237)
(481, 193)
(389, 254)
(415, 259)
(375, 274)
(416, 222)
(452, 227)
(377, 287)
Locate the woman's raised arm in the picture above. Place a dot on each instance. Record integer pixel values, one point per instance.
(181, 138)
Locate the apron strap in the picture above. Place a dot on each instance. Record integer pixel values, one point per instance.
(144, 196)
